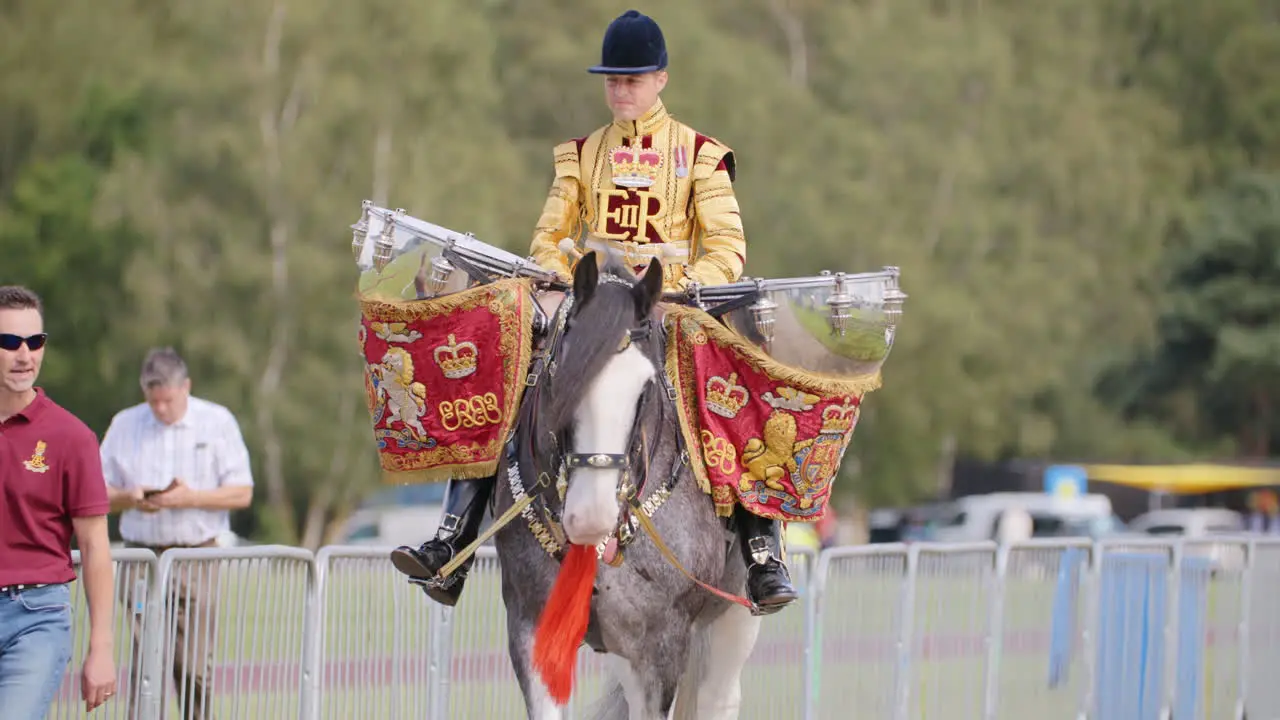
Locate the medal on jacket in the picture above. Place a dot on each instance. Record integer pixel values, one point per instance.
(682, 161)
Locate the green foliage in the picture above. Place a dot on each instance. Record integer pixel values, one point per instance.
(186, 173)
(1216, 367)
(53, 244)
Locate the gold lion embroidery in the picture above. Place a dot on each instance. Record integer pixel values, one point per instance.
(37, 463)
(773, 458)
(405, 398)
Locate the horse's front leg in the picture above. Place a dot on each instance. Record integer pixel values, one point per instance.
(537, 701)
(714, 672)
(648, 686)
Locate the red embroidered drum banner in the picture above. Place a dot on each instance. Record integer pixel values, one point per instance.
(760, 433)
(443, 378)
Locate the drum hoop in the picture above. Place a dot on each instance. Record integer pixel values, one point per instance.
(887, 278)
(484, 256)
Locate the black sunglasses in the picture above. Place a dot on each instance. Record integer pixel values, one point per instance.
(11, 342)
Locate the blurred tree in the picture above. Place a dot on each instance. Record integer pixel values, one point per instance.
(1208, 374)
(1215, 370)
(185, 174)
(54, 243)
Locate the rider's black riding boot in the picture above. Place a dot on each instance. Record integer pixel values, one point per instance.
(768, 582)
(465, 502)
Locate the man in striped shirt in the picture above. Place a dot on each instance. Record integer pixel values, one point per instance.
(176, 465)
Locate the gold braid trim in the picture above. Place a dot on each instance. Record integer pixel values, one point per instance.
(503, 290)
(686, 394)
(687, 327)
(453, 471)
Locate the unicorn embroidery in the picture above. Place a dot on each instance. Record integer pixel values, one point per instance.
(396, 388)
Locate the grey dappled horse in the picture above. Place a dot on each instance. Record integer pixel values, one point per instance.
(660, 629)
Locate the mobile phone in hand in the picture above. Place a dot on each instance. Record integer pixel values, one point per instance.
(152, 491)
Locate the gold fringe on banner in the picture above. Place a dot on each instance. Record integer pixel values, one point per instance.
(510, 301)
(690, 328)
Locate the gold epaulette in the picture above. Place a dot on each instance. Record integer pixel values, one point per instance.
(709, 157)
(567, 160)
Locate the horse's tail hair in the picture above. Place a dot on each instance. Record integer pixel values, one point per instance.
(612, 705)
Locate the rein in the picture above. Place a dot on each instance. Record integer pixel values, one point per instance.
(543, 361)
(633, 510)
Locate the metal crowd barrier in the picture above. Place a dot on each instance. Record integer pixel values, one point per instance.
(1070, 629)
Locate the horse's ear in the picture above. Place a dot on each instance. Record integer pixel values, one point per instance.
(585, 277)
(649, 289)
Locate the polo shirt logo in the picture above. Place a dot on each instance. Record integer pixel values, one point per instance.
(37, 464)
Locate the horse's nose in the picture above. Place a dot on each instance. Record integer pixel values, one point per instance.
(584, 528)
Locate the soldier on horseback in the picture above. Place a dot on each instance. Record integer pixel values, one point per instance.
(643, 186)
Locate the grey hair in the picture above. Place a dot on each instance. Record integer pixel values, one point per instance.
(163, 367)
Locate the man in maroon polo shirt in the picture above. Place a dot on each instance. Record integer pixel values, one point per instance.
(51, 485)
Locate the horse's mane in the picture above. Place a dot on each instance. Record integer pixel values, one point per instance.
(598, 328)
(595, 331)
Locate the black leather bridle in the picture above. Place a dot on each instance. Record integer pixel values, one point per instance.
(635, 461)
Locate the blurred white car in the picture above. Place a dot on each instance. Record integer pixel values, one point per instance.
(1201, 526)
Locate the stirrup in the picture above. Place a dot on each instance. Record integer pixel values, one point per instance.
(435, 582)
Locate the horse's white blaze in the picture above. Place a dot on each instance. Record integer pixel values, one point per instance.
(602, 424)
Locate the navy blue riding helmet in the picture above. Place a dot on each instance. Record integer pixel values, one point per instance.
(633, 44)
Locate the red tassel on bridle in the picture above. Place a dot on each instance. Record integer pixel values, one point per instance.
(563, 623)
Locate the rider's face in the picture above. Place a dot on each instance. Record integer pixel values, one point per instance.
(630, 96)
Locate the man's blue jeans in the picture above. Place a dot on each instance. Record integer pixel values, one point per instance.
(35, 647)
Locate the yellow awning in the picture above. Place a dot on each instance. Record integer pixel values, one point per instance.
(1191, 478)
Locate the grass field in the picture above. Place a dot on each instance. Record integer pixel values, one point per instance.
(378, 634)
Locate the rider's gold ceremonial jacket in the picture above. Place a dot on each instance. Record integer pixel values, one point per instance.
(653, 187)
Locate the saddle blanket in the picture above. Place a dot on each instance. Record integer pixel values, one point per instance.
(760, 433)
(443, 378)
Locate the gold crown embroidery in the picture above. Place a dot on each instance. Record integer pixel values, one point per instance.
(37, 463)
(457, 360)
(838, 419)
(725, 397)
(635, 167)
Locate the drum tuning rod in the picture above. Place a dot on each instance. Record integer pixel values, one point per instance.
(386, 240)
(360, 230)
